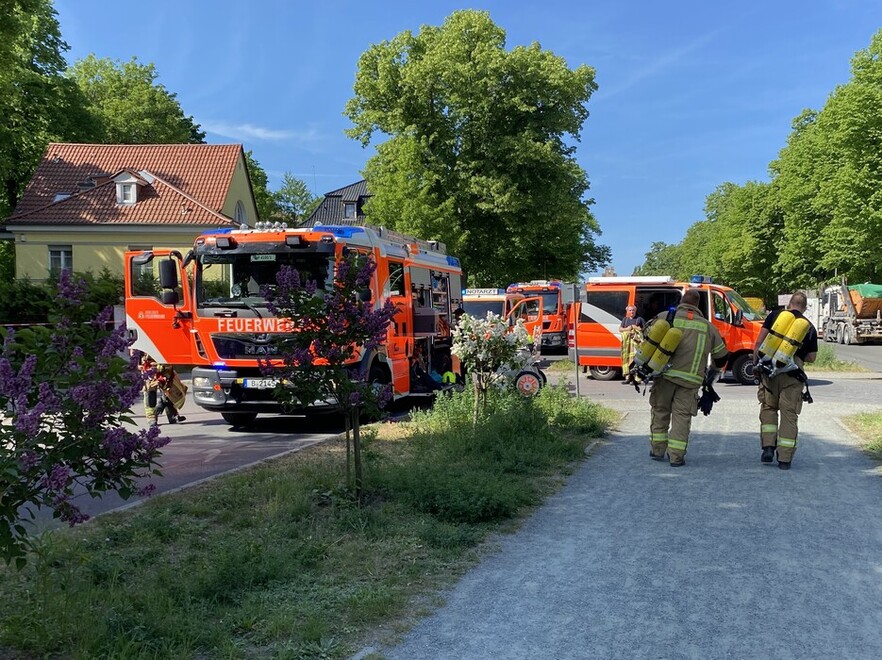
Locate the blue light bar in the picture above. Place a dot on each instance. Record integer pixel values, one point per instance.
(339, 230)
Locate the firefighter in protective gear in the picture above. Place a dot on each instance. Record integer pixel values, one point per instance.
(781, 397)
(674, 395)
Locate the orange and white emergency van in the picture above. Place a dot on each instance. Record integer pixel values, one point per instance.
(554, 312)
(595, 338)
(508, 305)
(205, 308)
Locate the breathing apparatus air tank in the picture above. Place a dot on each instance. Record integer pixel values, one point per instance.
(666, 348)
(776, 334)
(651, 341)
(791, 342)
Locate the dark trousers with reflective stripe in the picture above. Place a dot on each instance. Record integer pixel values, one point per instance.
(781, 395)
(673, 407)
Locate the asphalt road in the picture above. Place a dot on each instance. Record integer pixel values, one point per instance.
(723, 558)
(205, 446)
(867, 355)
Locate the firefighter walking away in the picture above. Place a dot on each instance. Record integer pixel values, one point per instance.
(674, 395)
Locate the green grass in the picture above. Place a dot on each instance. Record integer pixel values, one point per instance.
(561, 366)
(827, 361)
(279, 561)
(868, 426)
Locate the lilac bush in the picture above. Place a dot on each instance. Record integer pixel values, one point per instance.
(65, 403)
(332, 331)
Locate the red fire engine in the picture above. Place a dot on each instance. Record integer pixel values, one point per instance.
(205, 308)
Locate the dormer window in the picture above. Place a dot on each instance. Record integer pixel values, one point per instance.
(348, 210)
(126, 193)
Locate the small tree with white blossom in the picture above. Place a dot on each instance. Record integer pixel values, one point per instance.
(492, 350)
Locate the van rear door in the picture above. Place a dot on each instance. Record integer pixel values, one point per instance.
(597, 325)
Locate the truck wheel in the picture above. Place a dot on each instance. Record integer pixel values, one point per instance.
(840, 333)
(239, 418)
(604, 373)
(742, 369)
(849, 336)
(528, 383)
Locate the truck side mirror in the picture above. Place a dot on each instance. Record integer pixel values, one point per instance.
(169, 297)
(738, 319)
(168, 274)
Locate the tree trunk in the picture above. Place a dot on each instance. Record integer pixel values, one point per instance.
(356, 447)
(348, 425)
(475, 406)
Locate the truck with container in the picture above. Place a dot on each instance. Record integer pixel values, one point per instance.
(851, 314)
(594, 336)
(554, 316)
(206, 308)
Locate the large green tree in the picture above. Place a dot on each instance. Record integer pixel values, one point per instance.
(737, 243)
(37, 103)
(480, 149)
(662, 259)
(294, 200)
(130, 106)
(266, 204)
(829, 180)
(747, 229)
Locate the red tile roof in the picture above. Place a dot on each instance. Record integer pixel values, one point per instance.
(202, 171)
(157, 203)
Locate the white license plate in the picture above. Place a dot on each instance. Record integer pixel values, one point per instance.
(259, 383)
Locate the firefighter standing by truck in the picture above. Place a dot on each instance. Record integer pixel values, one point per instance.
(674, 395)
(783, 393)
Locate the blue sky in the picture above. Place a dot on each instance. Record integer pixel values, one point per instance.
(691, 94)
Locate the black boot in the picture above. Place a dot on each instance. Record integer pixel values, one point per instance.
(768, 454)
(783, 465)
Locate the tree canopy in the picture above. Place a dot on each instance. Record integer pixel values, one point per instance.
(819, 217)
(37, 103)
(129, 106)
(480, 149)
(95, 100)
(294, 200)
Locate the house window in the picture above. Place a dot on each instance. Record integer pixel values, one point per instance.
(126, 193)
(348, 210)
(60, 258)
(241, 215)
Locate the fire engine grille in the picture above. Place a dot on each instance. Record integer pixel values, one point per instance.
(246, 346)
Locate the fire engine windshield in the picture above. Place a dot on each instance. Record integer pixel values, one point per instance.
(479, 308)
(550, 301)
(228, 279)
(740, 303)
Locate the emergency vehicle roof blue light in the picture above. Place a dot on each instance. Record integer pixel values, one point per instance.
(452, 261)
(701, 279)
(223, 230)
(339, 230)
